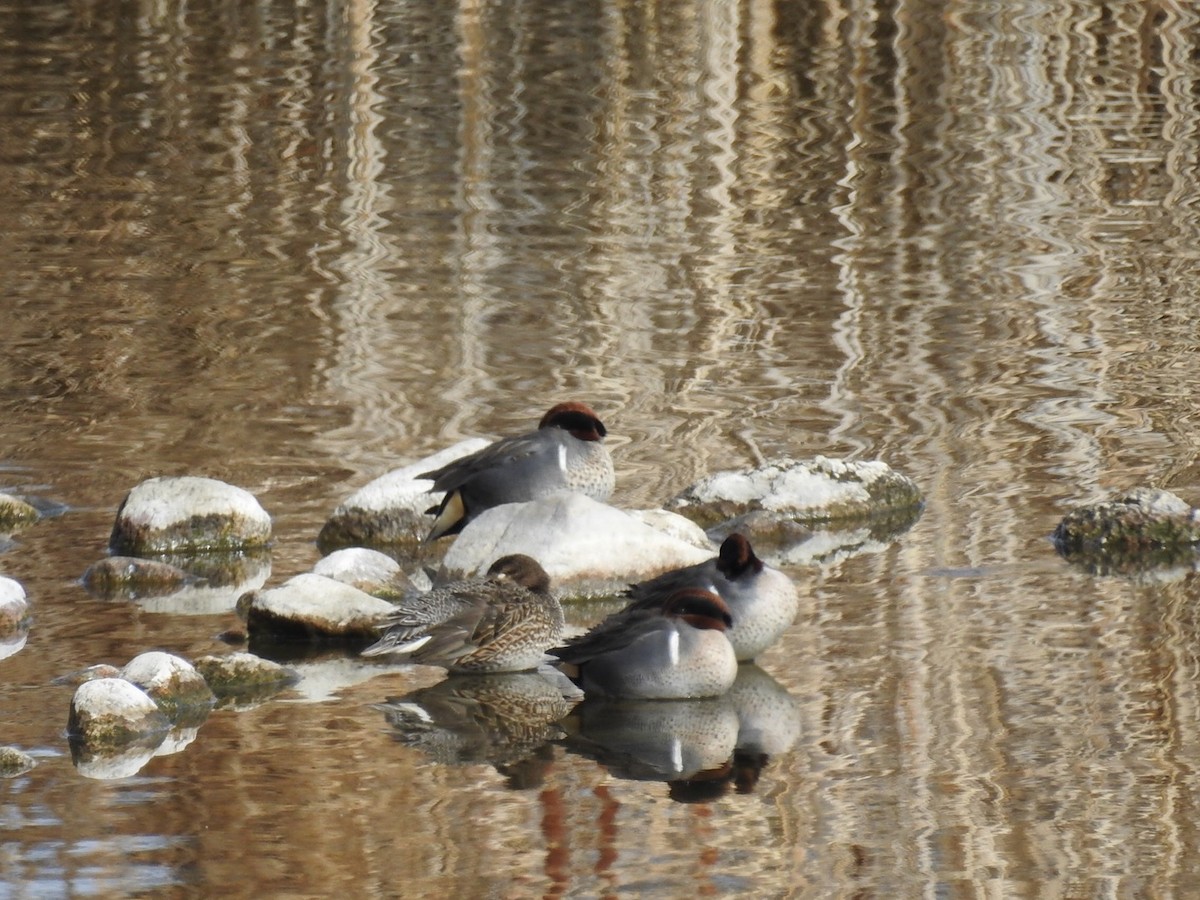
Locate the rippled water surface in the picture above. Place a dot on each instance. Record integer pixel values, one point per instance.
(293, 246)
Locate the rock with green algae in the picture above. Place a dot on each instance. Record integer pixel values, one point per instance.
(14, 762)
(390, 511)
(188, 514)
(15, 513)
(243, 678)
(1134, 531)
(173, 683)
(817, 492)
(112, 712)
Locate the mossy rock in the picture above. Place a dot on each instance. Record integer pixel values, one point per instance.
(14, 762)
(1135, 531)
(188, 514)
(173, 683)
(112, 712)
(241, 678)
(15, 513)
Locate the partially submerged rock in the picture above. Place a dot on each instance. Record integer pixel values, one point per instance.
(243, 678)
(111, 712)
(1137, 530)
(817, 492)
(368, 570)
(390, 511)
(14, 762)
(15, 513)
(130, 576)
(314, 606)
(173, 683)
(188, 514)
(586, 547)
(14, 608)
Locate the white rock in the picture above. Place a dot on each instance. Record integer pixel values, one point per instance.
(402, 489)
(582, 544)
(357, 566)
(792, 486)
(316, 604)
(172, 513)
(674, 525)
(13, 606)
(170, 680)
(113, 711)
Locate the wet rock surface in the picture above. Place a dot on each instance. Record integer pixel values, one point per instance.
(188, 514)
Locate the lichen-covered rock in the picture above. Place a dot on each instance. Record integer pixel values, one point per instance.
(368, 570)
(14, 608)
(820, 491)
(313, 606)
(130, 576)
(1137, 530)
(173, 683)
(586, 547)
(188, 514)
(243, 678)
(15, 513)
(390, 510)
(14, 762)
(110, 712)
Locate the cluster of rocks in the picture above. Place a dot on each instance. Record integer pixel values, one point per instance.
(203, 546)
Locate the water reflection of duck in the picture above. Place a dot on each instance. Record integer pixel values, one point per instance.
(502, 623)
(502, 720)
(762, 600)
(565, 453)
(675, 651)
(655, 740)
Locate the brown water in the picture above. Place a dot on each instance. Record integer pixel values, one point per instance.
(293, 248)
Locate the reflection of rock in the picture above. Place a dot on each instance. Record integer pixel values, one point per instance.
(200, 585)
(242, 679)
(391, 509)
(655, 740)
(771, 503)
(585, 546)
(14, 762)
(106, 763)
(311, 606)
(15, 513)
(498, 719)
(188, 514)
(1140, 531)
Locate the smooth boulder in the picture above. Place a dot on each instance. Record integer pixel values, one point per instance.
(111, 712)
(172, 682)
(314, 606)
(390, 510)
(586, 547)
(188, 514)
(14, 608)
